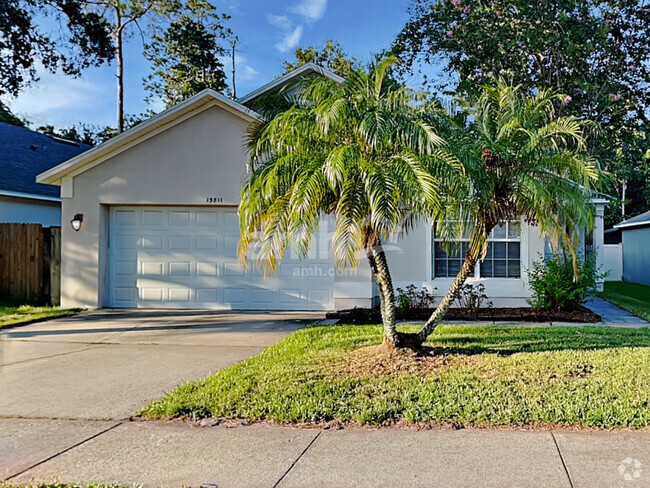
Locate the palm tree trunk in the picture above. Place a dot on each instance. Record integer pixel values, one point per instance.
(466, 270)
(441, 310)
(381, 276)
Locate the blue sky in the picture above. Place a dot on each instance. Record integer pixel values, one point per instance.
(268, 31)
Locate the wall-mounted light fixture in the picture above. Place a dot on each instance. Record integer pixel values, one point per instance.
(76, 221)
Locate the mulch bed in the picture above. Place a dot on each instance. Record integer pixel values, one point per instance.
(383, 361)
(362, 316)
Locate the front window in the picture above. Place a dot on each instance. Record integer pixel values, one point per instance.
(503, 258)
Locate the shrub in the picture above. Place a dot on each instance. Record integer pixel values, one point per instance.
(472, 298)
(556, 287)
(413, 299)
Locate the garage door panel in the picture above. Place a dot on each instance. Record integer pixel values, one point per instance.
(186, 257)
(124, 217)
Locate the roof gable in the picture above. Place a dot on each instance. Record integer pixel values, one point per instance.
(143, 131)
(279, 83)
(26, 153)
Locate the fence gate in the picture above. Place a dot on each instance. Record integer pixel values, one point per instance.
(30, 264)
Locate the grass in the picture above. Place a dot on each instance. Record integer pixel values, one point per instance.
(633, 297)
(14, 315)
(578, 376)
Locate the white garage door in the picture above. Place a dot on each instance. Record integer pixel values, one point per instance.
(186, 257)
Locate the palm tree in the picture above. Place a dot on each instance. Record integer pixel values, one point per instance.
(359, 151)
(521, 162)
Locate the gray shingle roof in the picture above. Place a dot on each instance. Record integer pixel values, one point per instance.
(25, 153)
(643, 219)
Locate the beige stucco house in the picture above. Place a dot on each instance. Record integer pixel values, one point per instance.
(160, 229)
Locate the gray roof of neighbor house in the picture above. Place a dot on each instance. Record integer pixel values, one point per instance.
(25, 153)
(638, 221)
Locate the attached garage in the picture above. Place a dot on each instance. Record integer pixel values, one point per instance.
(160, 227)
(186, 257)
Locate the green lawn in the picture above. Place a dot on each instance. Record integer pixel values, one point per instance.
(586, 376)
(632, 297)
(12, 315)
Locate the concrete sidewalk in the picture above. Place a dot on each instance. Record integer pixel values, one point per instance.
(615, 316)
(174, 454)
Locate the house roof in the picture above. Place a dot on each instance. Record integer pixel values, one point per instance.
(149, 128)
(301, 72)
(638, 221)
(25, 153)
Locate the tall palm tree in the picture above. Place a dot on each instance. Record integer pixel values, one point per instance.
(360, 151)
(521, 161)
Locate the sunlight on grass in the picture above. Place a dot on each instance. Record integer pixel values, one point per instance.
(26, 313)
(587, 376)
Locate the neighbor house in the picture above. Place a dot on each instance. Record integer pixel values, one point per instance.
(157, 207)
(24, 154)
(635, 238)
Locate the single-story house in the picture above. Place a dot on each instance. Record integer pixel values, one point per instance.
(157, 207)
(24, 154)
(635, 234)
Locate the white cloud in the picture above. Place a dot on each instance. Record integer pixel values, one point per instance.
(281, 21)
(289, 26)
(289, 34)
(250, 73)
(311, 10)
(57, 98)
(290, 40)
(56, 93)
(244, 71)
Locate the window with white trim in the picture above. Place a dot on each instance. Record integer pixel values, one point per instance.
(503, 258)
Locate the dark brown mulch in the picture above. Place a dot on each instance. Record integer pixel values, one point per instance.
(362, 316)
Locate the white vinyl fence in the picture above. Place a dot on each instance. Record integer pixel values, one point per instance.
(613, 254)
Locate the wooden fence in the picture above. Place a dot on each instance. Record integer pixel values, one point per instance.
(30, 264)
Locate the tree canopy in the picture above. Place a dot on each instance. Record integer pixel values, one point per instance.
(595, 52)
(330, 55)
(186, 55)
(72, 39)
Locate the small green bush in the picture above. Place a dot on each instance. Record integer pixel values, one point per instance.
(555, 285)
(412, 298)
(473, 298)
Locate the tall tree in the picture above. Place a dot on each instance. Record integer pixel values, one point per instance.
(78, 39)
(359, 152)
(123, 16)
(594, 51)
(330, 55)
(186, 56)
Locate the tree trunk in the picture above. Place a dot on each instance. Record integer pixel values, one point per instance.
(441, 310)
(384, 282)
(120, 71)
(466, 270)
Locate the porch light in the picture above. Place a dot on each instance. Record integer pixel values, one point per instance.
(76, 221)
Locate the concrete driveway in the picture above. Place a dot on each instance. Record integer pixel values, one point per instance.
(109, 364)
